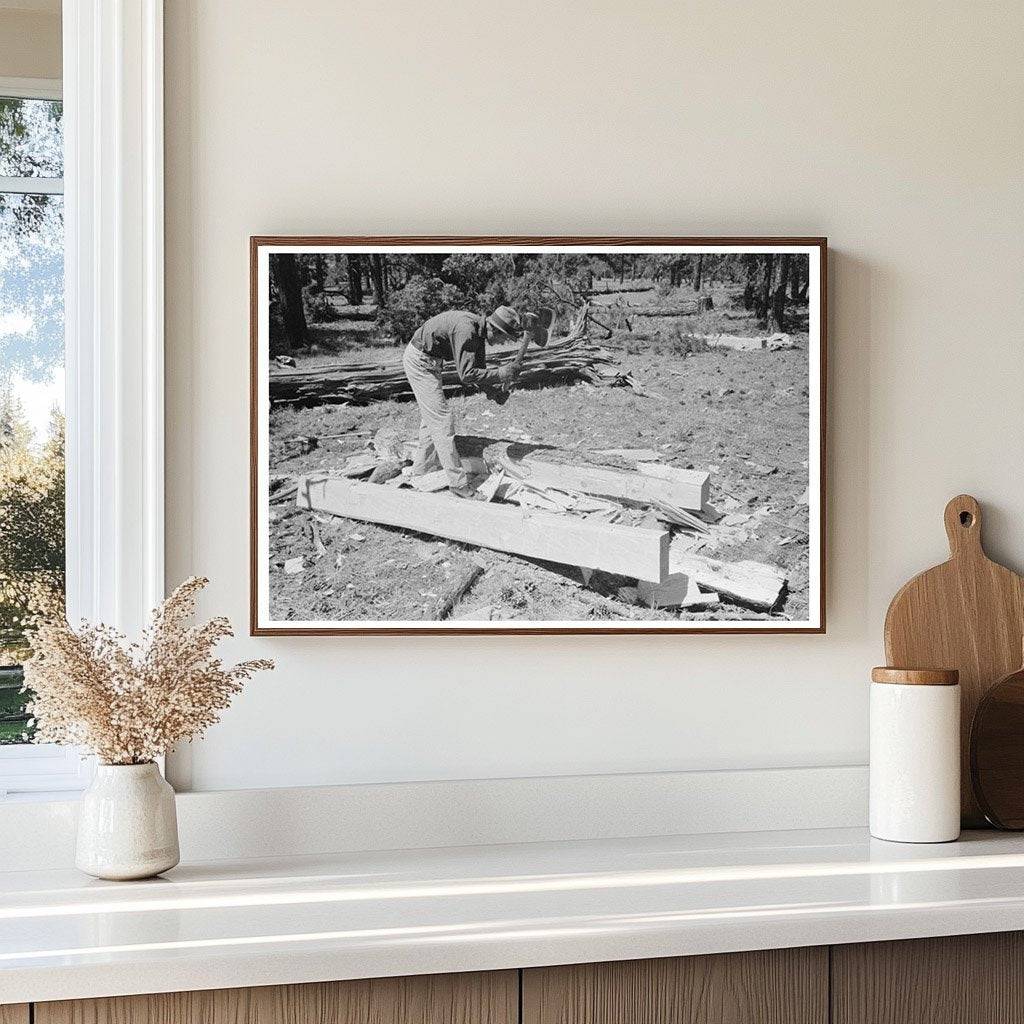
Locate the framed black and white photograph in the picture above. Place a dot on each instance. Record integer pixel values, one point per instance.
(537, 435)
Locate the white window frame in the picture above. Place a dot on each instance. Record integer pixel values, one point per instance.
(114, 325)
(31, 89)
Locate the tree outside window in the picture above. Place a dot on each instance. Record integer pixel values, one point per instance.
(31, 387)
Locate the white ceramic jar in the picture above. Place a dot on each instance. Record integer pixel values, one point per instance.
(915, 755)
(127, 824)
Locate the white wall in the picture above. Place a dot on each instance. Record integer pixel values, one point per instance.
(30, 39)
(895, 129)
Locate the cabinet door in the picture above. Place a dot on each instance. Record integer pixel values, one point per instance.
(962, 979)
(778, 986)
(482, 998)
(14, 1013)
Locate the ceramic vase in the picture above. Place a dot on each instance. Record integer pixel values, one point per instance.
(127, 825)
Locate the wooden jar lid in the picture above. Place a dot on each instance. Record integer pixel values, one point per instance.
(916, 676)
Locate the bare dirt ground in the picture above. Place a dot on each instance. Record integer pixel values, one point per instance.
(743, 416)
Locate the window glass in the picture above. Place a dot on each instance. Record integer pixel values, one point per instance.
(31, 388)
(31, 138)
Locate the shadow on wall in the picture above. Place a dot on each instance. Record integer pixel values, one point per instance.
(853, 287)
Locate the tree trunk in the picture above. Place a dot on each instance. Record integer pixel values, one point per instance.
(698, 272)
(777, 318)
(750, 266)
(378, 274)
(677, 272)
(805, 284)
(355, 279)
(795, 275)
(289, 295)
(763, 295)
(320, 271)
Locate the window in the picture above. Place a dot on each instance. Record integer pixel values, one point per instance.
(109, 208)
(32, 548)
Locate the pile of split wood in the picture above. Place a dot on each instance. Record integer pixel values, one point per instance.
(360, 383)
(650, 523)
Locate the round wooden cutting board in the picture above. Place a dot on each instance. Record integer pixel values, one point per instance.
(967, 614)
(997, 752)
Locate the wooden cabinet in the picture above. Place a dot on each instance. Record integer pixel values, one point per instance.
(963, 979)
(490, 998)
(971, 979)
(778, 986)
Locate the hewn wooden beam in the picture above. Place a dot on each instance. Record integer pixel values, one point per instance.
(686, 488)
(678, 591)
(626, 550)
(755, 584)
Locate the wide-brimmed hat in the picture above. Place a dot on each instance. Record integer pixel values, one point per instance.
(506, 320)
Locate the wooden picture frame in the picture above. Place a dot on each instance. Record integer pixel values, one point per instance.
(263, 621)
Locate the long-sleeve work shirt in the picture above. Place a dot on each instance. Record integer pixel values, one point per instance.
(460, 336)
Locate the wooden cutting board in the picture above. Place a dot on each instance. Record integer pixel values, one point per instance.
(967, 614)
(997, 752)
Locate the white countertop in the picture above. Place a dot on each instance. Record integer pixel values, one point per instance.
(262, 922)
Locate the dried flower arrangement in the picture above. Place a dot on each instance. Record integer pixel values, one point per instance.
(129, 703)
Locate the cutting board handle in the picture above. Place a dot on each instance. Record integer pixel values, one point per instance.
(963, 526)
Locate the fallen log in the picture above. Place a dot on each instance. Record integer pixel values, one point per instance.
(448, 601)
(627, 551)
(619, 289)
(685, 488)
(755, 584)
(688, 310)
(361, 383)
(739, 343)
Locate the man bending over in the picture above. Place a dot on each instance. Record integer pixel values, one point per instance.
(459, 336)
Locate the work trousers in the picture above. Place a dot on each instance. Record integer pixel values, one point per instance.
(436, 449)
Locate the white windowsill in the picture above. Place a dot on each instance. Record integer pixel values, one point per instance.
(42, 771)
